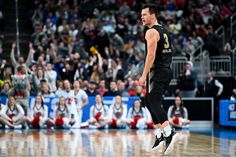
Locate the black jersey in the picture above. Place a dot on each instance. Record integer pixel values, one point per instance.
(164, 51)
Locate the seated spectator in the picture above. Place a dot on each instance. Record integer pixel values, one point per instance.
(102, 88)
(122, 90)
(45, 91)
(178, 114)
(38, 114)
(117, 114)
(92, 89)
(113, 90)
(65, 91)
(12, 114)
(5, 89)
(98, 114)
(137, 117)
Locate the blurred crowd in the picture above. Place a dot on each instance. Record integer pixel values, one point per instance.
(99, 42)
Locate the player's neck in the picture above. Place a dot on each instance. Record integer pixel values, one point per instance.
(153, 24)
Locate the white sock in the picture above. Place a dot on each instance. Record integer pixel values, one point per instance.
(167, 131)
(157, 132)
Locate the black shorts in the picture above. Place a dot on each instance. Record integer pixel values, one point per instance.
(157, 81)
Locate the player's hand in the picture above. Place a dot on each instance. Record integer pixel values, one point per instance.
(142, 80)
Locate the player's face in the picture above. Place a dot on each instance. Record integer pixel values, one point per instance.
(146, 16)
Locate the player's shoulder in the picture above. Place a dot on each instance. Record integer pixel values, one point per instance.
(152, 33)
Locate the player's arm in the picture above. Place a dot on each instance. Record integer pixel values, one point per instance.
(152, 37)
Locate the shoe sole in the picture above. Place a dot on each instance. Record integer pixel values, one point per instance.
(159, 146)
(171, 145)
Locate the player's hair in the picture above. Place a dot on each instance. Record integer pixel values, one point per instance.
(152, 8)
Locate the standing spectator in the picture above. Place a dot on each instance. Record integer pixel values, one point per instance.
(50, 76)
(210, 42)
(187, 82)
(213, 88)
(178, 114)
(21, 61)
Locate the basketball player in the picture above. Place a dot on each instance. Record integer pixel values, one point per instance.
(157, 74)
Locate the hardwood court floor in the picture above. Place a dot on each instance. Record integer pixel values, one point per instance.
(104, 143)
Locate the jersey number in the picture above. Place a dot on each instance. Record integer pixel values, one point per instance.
(166, 44)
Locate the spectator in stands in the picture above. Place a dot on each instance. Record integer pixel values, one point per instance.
(65, 91)
(210, 42)
(38, 76)
(122, 90)
(5, 89)
(45, 91)
(187, 82)
(51, 76)
(99, 114)
(102, 87)
(118, 113)
(137, 117)
(92, 88)
(213, 88)
(113, 90)
(178, 114)
(21, 61)
(230, 45)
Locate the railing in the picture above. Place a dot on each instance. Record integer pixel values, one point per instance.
(232, 23)
(234, 61)
(221, 65)
(178, 64)
(17, 29)
(202, 65)
(221, 33)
